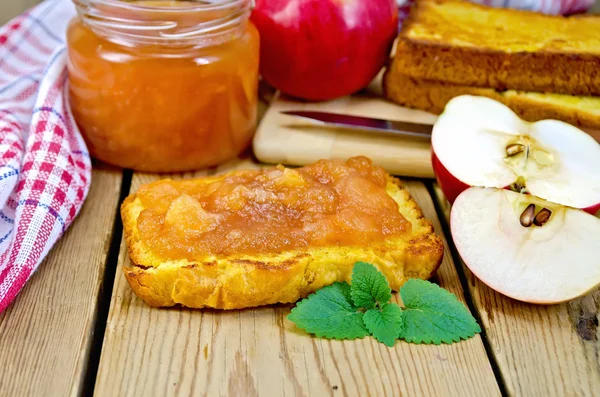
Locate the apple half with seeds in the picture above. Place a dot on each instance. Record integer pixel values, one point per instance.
(478, 141)
(525, 247)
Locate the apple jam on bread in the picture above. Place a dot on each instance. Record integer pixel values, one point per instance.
(258, 237)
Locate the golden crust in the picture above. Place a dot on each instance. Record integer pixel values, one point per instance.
(432, 97)
(445, 40)
(241, 281)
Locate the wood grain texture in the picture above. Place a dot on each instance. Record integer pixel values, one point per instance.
(158, 352)
(12, 8)
(289, 140)
(540, 350)
(45, 334)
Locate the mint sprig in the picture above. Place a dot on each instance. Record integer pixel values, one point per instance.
(330, 313)
(350, 311)
(385, 324)
(434, 315)
(369, 286)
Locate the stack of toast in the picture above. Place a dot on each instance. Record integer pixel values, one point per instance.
(541, 66)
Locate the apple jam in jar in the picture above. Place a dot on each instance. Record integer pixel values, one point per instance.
(164, 86)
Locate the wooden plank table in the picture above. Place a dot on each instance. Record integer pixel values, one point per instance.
(77, 329)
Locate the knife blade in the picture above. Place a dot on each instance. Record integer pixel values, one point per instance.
(389, 127)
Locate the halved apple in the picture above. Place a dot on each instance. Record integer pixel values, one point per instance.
(480, 142)
(524, 247)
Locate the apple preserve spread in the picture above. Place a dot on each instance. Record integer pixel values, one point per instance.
(270, 211)
(164, 85)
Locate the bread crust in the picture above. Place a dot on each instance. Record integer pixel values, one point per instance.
(543, 70)
(241, 281)
(433, 96)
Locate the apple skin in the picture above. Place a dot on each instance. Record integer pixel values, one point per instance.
(594, 209)
(452, 187)
(323, 49)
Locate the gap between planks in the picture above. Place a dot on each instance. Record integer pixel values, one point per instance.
(106, 288)
(148, 351)
(46, 333)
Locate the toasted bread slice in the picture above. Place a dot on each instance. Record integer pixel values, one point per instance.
(583, 112)
(241, 280)
(467, 44)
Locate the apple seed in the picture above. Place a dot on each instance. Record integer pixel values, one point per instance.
(514, 148)
(519, 185)
(527, 216)
(542, 217)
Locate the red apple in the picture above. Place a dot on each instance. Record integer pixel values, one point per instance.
(480, 142)
(524, 247)
(323, 49)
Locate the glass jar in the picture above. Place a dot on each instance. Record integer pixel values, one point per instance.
(164, 86)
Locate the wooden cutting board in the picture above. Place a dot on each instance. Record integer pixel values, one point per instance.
(293, 141)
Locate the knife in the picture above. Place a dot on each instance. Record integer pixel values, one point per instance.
(389, 127)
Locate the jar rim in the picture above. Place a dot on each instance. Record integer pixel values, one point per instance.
(116, 18)
(186, 5)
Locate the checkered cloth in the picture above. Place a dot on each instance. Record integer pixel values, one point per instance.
(45, 169)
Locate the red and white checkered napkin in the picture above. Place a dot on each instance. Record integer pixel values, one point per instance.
(45, 169)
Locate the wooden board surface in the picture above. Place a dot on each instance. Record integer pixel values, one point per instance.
(158, 352)
(289, 140)
(45, 334)
(541, 350)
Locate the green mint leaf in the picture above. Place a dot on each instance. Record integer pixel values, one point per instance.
(330, 313)
(369, 286)
(385, 324)
(434, 315)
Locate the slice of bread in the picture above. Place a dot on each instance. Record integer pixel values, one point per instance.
(241, 280)
(467, 44)
(583, 112)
